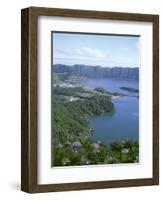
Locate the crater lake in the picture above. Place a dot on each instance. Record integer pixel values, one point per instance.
(121, 124)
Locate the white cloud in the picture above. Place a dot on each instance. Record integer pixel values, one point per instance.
(83, 52)
(62, 52)
(79, 52)
(87, 51)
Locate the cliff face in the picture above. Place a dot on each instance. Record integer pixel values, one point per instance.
(97, 72)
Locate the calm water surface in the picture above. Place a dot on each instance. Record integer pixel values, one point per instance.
(121, 124)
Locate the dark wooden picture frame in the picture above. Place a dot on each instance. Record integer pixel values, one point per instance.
(29, 137)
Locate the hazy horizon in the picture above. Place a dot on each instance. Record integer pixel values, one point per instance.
(94, 65)
(91, 49)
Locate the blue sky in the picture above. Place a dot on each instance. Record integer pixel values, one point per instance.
(104, 50)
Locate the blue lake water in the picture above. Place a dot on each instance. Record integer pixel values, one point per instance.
(124, 122)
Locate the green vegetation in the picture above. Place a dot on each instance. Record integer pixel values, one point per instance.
(71, 129)
(129, 89)
(70, 114)
(102, 90)
(89, 153)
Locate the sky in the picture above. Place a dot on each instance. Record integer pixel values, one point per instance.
(91, 49)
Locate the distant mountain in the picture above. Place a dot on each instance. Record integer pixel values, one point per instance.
(97, 72)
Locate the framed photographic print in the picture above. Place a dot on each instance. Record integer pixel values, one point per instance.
(90, 99)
